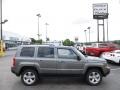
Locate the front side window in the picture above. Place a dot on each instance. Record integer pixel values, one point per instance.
(27, 52)
(66, 53)
(46, 52)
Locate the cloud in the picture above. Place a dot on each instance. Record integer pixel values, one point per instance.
(82, 21)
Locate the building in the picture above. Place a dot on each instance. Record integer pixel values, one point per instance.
(13, 39)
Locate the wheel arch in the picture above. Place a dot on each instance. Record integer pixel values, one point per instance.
(98, 68)
(28, 67)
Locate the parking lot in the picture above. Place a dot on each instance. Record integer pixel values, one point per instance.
(9, 81)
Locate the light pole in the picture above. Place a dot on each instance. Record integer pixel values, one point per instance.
(85, 35)
(38, 15)
(89, 33)
(2, 53)
(1, 17)
(46, 31)
(107, 32)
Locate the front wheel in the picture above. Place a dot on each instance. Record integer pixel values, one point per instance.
(29, 77)
(93, 77)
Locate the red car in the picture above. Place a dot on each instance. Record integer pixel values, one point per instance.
(98, 48)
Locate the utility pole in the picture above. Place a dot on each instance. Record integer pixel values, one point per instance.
(46, 31)
(38, 15)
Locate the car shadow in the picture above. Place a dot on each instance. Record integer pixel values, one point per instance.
(62, 80)
(57, 83)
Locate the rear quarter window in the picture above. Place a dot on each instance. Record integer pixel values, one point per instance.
(27, 51)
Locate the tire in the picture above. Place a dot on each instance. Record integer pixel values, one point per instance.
(29, 77)
(94, 77)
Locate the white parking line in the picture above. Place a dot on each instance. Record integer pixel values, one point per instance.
(115, 69)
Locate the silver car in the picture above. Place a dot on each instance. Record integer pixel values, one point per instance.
(33, 61)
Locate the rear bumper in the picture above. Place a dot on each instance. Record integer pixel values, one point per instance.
(14, 71)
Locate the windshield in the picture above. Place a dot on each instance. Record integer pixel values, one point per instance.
(80, 53)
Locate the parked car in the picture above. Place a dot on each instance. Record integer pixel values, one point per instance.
(98, 48)
(33, 61)
(113, 56)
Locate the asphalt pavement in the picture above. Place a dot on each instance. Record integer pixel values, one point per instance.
(8, 81)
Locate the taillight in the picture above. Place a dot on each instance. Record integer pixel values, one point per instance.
(14, 62)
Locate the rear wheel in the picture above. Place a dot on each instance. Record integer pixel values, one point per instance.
(93, 77)
(29, 77)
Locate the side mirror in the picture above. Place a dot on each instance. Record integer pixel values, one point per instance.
(78, 58)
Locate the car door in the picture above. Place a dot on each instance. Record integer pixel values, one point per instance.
(46, 59)
(68, 63)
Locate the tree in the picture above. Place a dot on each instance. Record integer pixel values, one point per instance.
(39, 41)
(67, 42)
(72, 43)
(116, 42)
(33, 40)
(47, 39)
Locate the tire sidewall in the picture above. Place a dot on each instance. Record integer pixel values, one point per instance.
(87, 76)
(29, 70)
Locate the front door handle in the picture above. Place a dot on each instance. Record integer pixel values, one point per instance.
(61, 61)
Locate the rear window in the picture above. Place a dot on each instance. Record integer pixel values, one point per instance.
(46, 52)
(27, 52)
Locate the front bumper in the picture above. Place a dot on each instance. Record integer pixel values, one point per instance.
(106, 71)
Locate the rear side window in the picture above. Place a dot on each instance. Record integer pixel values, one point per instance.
(46, 52)
(27, 52)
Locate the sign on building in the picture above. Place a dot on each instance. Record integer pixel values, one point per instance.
(100, 11)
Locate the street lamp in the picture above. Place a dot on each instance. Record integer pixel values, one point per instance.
(4, 21)
(89, 33)
(1, 27)
(85, 35)
(38, 15)
(46, 31)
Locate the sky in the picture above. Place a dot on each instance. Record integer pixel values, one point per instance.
(66, 18)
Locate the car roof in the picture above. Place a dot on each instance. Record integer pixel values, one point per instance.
(46, 46)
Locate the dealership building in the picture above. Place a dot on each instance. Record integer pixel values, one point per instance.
(13, 39)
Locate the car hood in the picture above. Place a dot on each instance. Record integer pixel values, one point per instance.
(95, 59)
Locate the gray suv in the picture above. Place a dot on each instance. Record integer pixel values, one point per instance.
(33, 61)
